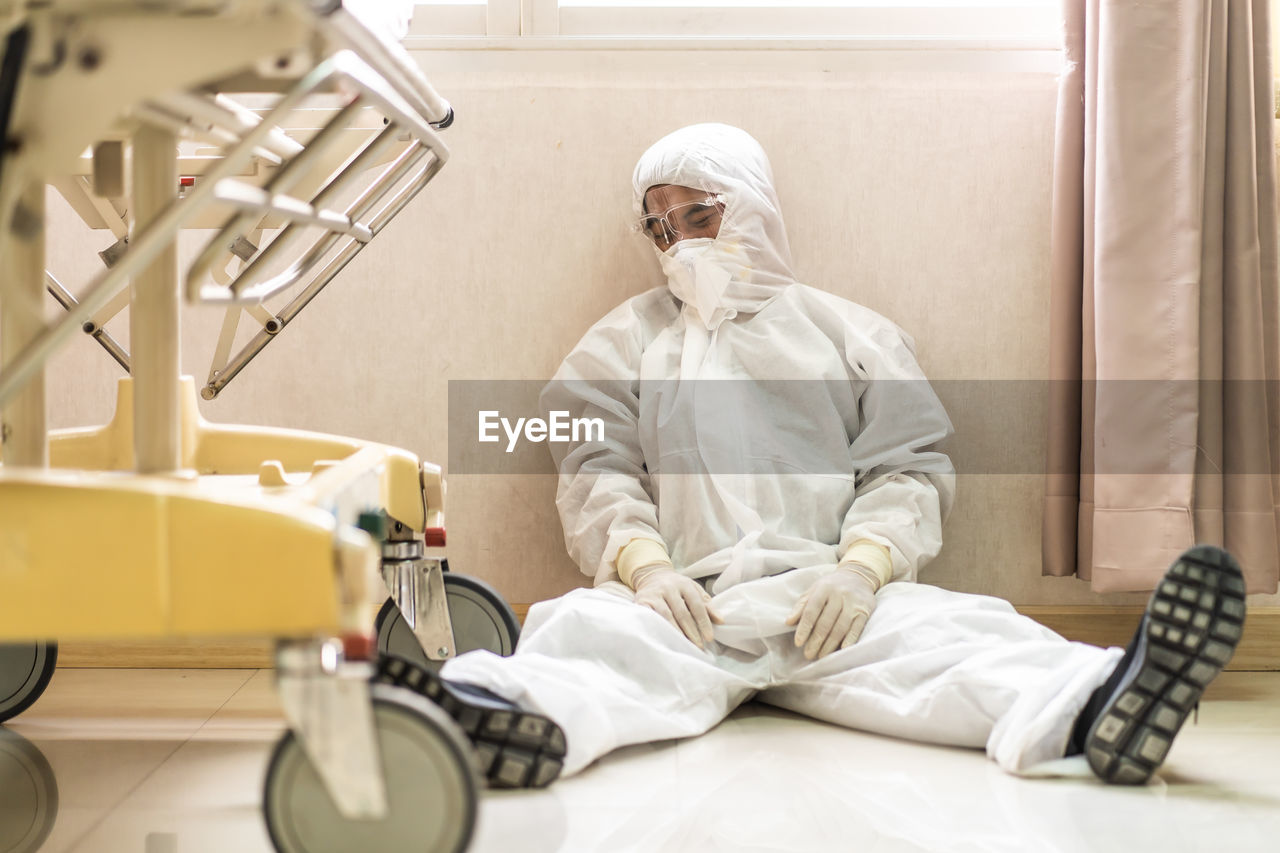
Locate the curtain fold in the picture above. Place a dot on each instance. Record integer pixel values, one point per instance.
(1164, 418)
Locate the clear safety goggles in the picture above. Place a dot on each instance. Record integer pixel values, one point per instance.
(683, 221)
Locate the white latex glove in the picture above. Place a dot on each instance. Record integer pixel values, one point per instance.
(832, 614)
(678, 599)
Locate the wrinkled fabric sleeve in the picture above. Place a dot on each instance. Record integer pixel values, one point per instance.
(603, 494)
(905, 483)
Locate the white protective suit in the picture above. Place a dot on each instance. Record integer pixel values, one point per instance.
(758, 430)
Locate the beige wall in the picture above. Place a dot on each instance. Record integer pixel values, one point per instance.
(922, 195)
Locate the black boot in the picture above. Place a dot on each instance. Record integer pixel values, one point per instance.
(1187, 635)
(514, 748)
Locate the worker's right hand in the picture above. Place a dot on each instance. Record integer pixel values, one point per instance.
(678, 599)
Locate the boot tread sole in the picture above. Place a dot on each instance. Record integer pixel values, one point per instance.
(513, 748)
(1192, 625)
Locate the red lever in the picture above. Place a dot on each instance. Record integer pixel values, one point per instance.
(356, 646)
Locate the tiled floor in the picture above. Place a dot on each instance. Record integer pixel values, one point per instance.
(171, 761)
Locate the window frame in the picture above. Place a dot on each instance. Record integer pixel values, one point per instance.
(994, 20)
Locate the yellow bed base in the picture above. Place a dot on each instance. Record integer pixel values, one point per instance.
(251, 537)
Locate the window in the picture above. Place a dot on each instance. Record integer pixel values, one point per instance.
(453, 18)
(745, 19)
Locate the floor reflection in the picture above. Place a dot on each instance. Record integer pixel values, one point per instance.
(155, 762)
(769, 782)
(28, 795)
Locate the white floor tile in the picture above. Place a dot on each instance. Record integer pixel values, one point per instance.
(173, 762)
(252, 713)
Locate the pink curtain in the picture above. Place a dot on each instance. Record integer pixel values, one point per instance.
(1164, 417)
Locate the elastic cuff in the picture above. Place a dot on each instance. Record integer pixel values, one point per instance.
(873, 556)
(639, 554)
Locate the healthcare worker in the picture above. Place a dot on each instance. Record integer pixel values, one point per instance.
(767, 487)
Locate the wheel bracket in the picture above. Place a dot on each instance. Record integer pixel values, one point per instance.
(417, 586)
(326, 701)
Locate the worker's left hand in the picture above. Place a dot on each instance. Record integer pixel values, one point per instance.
(832, 614)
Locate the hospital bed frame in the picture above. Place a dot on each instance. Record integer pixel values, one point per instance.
(160, 524)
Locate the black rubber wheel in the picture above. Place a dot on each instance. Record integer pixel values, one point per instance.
(28, 795)
(25, 670)
(432, 787)
(481, 619)
(11, 62)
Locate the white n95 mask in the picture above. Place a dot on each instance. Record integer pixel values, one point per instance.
(698, 273)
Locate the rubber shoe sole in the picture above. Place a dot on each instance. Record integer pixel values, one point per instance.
(513, 748)
(1191, 627)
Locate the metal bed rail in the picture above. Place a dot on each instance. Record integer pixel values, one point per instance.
(214, 118)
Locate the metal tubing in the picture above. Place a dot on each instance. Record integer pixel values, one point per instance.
(225, 116)
(289, 174)
(266, 289)
(322, 279)
(141, 250)
(335, 266)
(156, 114)
(291, 232)
(261, 314)
(113, 349)
(359, 75)
(326, 243)
(118, 303)
(281, 143)
(153, 312)
(361, 163)
(227, 337)
(251, 199)
(23, 425)
(396, 67)
(67, 301)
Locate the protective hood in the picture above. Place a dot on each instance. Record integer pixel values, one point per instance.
(727, 161)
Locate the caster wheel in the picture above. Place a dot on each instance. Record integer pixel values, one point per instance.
(481, 620)
(28, 795)
(25, 670)
(432, 791)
